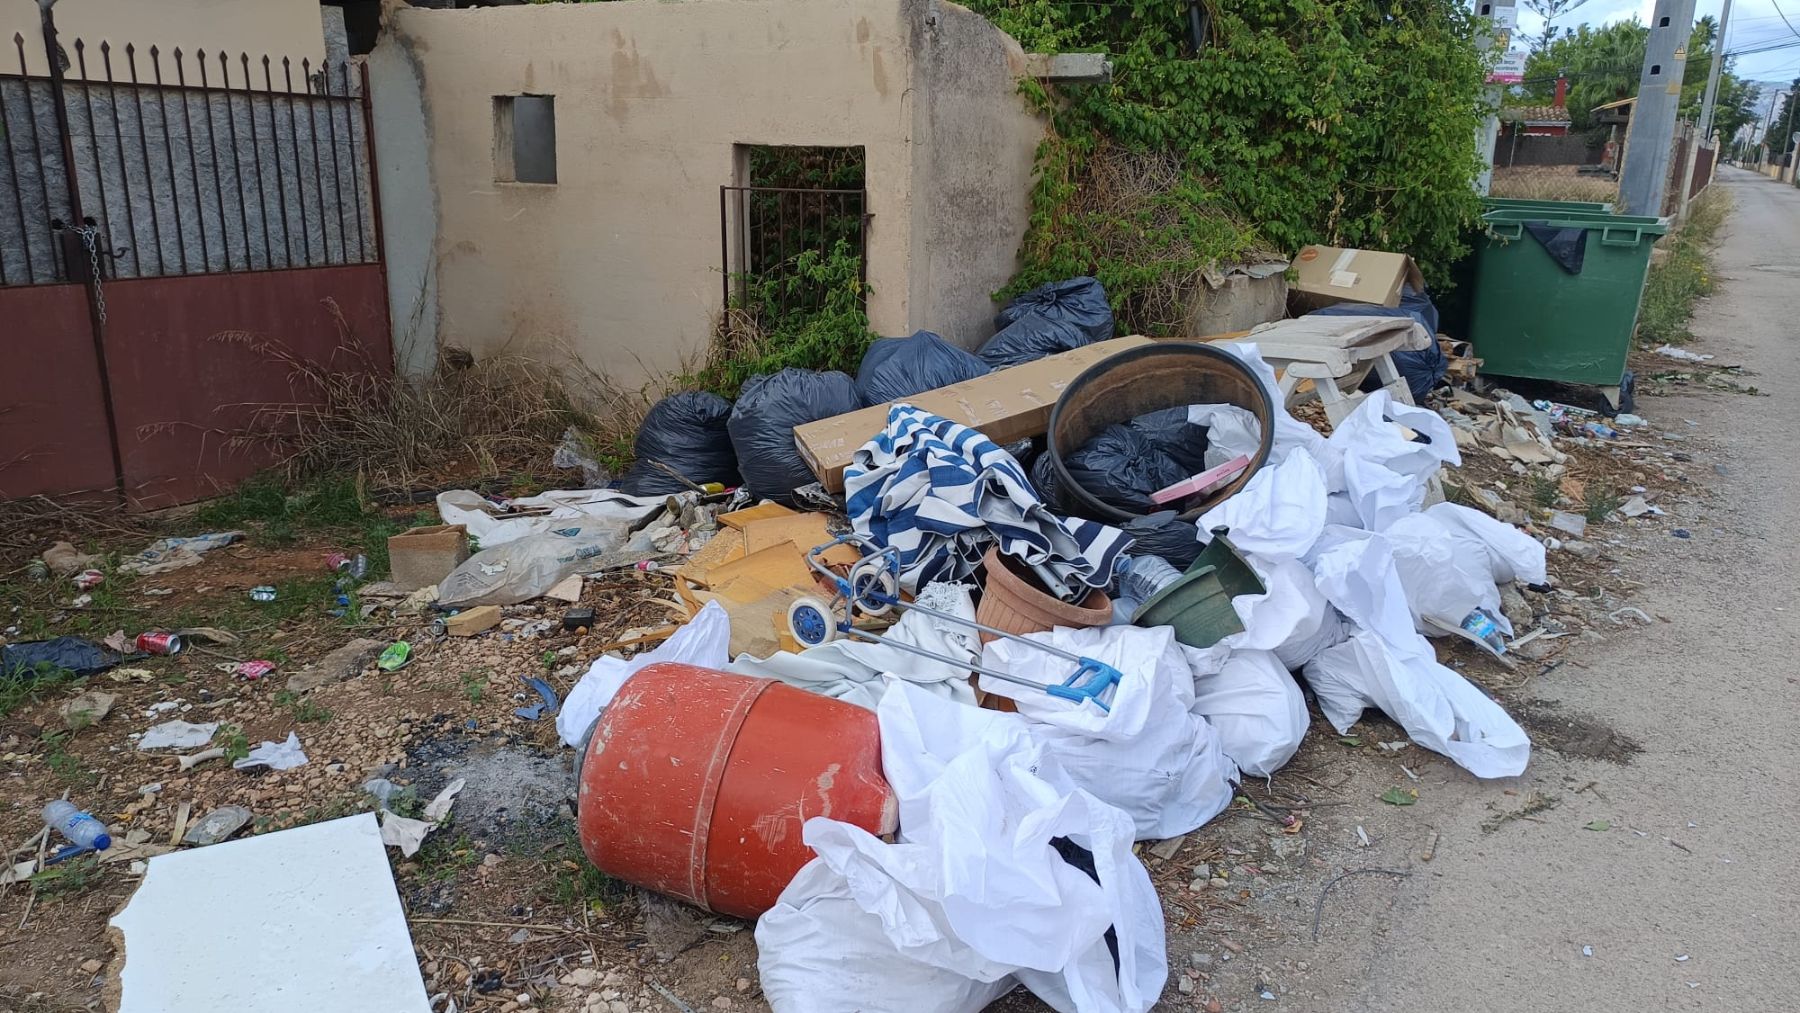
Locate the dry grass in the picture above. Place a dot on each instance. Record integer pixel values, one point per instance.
(487, 417)
(1552, 182)
(29, 525)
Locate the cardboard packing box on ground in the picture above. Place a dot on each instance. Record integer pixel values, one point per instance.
(1333, 274)
(421, 556)
(1006, 405)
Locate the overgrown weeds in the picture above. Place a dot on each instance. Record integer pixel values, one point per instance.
(27, 684)
(1143, 224)
(807, 313)
(1684, 272)
(469, 417)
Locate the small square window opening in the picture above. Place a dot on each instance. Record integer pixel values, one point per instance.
(525, 138)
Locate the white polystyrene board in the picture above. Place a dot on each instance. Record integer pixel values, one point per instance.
(299, 921)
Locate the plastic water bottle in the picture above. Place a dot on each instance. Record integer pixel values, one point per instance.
(1482, 625)
(1140, 577)
(82, 828)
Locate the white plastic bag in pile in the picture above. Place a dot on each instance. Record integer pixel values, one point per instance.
(1385, 474)
(1291, 617)
(1386, 664)
(1149, 755)
(703, 642)
(1291, 434)
(1253, 704)
(975, 892)
(535, 515)
(1513, 554)
(1446, 574)
(1279, 512)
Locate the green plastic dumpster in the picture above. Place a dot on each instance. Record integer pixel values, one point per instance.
(1531, 317)
(1529, 204)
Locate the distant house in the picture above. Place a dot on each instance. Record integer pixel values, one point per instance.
(1542, 121)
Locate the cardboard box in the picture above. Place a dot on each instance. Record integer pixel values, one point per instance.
(1007, 405)
(421, 556)
(1332, 274)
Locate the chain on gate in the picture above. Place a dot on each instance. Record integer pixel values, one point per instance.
(90, 238)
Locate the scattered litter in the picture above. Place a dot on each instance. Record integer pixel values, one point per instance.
(1631, 611)
(177, 735)
(217, 825)
(1598, 825)
(1399, 796)
(87, 580)
(1572, 524)
(1636, 506)
(159, 642)
(345, 947)
(263, 593)
(78, 655)
(274, 756)
(578, 620)
(167, 554)
(1681, 533)
(702, 642)
(119, 643)
(1681, 958)
(80, 828)
(409, 834)
(548, 700)
(1362, 835)
(1671, 352)
(1587, 951)
(250, 671)
(192, 760)
(64, 560)
(395, 656)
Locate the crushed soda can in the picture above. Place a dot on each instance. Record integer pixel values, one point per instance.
(38, 570)
(159, 642)
(336, 561)
(87, 580)
(250, 671)
(262, 592)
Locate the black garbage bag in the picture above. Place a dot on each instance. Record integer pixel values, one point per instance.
(24, 660)
(1163, 534)
(1078, 301)
(895, 368)
(1049, 319)
(1172, 433)
(1122, 467)
(763, 420)
(686, 432)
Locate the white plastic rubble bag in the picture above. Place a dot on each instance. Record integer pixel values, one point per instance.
(1255, 706)
(1291, 434)
(1386, 664)
(704, 642)
(1513, 554)
(974, 889)
(1446, 574)
(1384, 473)
(1279, 512)
(1148, 755)
(1290, 618)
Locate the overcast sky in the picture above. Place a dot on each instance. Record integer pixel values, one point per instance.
(1753, 23)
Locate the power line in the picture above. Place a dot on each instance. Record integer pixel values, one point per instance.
(1784, 18)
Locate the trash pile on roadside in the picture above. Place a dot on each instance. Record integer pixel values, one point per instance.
(962, 629)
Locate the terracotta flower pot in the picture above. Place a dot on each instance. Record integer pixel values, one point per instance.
(1014, 601)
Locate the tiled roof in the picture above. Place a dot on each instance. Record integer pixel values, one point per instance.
(1535, 114)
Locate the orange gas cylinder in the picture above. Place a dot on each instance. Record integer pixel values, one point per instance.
(696, 782)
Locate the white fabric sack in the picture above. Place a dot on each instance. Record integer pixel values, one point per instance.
(1279, 512)
(560, 509)
(1291, 618)
(1149, 755)
(860, 672)
(1513, 554)
(704, 642)
(1445, 573)
(1384, 473)
(1388, 665)
(1439, 709)
(819, 951)
(974, 887)
(1256, 708)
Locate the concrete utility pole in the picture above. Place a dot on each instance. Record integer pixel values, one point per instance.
(1501, 17)
(1646, 176)
(1706, 110)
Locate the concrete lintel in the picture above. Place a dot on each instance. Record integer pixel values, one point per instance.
(1074, 68)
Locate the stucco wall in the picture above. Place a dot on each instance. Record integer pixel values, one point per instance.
(618, 261)
(278, 28)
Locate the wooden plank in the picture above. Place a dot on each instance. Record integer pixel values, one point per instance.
(725, 547)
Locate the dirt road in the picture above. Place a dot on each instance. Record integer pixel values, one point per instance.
(1688, 899)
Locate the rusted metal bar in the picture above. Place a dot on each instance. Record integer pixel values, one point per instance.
(312, 139)
(724, 251)
(104, 218)
(368, 110)
(162, 109)
(337, 182)
(287, 74)
(112, 98)
(262, 195)
(212, 144)
(37, 147)
(137, 102)
(287, 244)
(12, 164)
(187, 124)
(362, 242)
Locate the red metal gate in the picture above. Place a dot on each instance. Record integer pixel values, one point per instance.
(174, 233)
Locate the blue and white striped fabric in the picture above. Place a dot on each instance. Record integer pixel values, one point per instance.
(941, 493)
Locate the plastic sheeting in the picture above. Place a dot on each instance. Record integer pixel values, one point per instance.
(1279, 512)
(493, 524)
(976, 893)
(1254, 706)
(529, 567)
(1148, 755)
